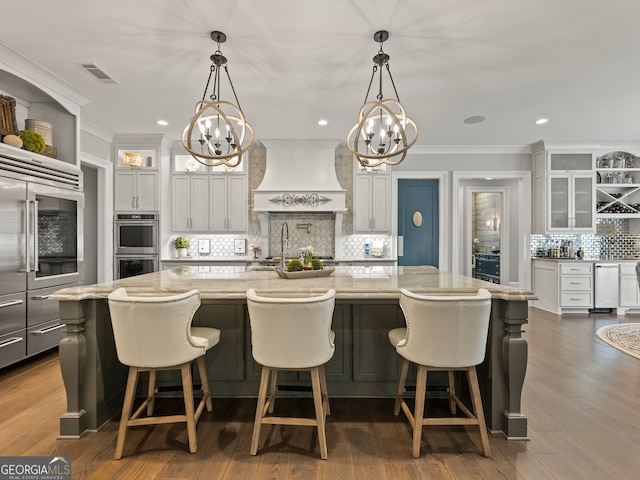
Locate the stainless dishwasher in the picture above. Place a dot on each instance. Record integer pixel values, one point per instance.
(606, 285)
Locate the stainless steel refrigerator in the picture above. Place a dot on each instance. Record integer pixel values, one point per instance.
(40, 252)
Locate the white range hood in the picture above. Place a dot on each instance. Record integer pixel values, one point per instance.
(300, 176)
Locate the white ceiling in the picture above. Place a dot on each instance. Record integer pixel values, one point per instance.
(293, 62)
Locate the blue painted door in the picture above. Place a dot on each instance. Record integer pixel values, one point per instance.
(418, 222)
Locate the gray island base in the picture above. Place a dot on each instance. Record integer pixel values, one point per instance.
(364, 365)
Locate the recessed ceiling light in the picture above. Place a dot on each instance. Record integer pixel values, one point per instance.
(541, 121)
(322, 123)
(164, 123)
(474, 119)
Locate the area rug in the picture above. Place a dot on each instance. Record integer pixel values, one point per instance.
(623, 336)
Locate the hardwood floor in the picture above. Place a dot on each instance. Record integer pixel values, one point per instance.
(581, 397)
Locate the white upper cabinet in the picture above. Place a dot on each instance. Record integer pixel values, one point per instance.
(136, 177)
(570, 200)
(207, 199)
(570, 162)
(228, 203)
(190, 203)
(371, 203)
(564, 192)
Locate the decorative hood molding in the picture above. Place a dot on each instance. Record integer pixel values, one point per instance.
(300, 176)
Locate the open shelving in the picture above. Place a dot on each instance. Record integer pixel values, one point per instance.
(618, 185)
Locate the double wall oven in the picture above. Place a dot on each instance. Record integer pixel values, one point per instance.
(136, 244)
(41, 251)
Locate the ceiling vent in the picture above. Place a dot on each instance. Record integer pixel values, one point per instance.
(98, 73)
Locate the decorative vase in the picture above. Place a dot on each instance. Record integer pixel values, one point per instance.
(308, 266)
(182, 252)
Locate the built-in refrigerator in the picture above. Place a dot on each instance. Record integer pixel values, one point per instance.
(41, 251)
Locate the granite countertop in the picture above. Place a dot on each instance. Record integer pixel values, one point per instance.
(350, 282)
(205, 259)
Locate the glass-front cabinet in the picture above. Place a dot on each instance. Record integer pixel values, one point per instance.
(569, 162)
(563, 191)
(571, 203)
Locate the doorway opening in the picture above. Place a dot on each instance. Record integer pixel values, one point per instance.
(486, 220)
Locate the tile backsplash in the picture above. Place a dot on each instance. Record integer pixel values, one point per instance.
(349, 246)
(620, 243)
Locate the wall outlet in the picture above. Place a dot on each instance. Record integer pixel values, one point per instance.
(240, 246)
(204, 246)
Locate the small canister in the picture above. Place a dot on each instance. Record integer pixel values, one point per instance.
(41, 127)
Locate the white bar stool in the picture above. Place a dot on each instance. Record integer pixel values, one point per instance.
(443, 333)
(155, 333)
(291, 334)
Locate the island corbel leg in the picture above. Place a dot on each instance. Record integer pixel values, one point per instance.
(73, 353)
(514, 357)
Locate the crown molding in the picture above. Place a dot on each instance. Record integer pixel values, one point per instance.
(469, 149)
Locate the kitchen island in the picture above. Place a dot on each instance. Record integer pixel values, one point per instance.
(364, 365)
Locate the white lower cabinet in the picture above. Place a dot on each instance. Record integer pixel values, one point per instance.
(576, 285)
(563, 286)
(136, 190)
(545, 285)
(629, 291)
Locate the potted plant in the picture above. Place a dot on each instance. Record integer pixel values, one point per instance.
(181, 244)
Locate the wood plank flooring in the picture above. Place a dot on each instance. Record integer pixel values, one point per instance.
(581, 397)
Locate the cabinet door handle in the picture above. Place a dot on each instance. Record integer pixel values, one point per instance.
(11, 341)
(133, 202)
(53, 328)
(137, 202)
(42, 297)
(11, 303)
(373, 223)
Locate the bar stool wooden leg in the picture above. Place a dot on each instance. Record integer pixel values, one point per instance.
(187, 388)
(151, 392)
(273, 389)
(418, 416)
(202, 371)
(476, 400)
(452, 392)
(262, 396)
(127, 407)
(404, 368)
(317, 402)
(324, 390)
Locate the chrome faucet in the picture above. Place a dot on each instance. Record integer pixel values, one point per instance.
(284, 241)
